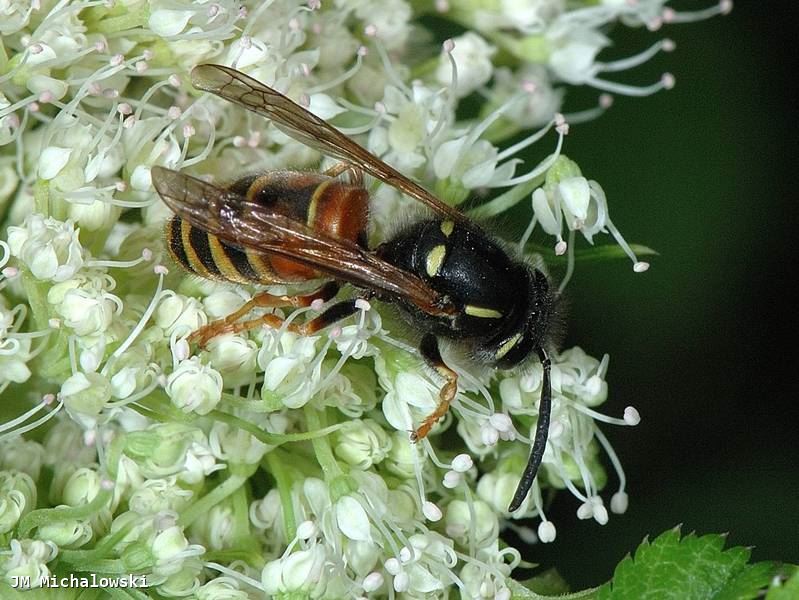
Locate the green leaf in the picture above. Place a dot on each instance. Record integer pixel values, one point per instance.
(592, 253)
(687, 568)
(547, 585)
(749, 582)
(787, 588)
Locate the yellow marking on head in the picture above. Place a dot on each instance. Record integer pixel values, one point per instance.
(435, 258)
(508, 346)
(447, 227)
(482, 312)
(312, 206)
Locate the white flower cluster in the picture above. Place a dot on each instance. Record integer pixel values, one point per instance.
(287, 457)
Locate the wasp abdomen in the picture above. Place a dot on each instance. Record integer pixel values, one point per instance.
(205, 255)
(322, 203)
(325, 204)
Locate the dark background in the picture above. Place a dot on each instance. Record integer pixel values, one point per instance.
(703, 343)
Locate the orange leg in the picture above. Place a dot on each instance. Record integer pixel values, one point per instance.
(431, 354)
(231, 323)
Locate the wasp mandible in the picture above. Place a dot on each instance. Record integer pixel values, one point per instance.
(448, 277)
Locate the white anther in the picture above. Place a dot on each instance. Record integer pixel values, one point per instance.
(462, 463)
(631, 416)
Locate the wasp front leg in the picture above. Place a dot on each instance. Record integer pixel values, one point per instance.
(231, 323)
(432, 356)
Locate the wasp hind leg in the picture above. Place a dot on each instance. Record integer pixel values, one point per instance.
(354, 174)
(231, 323)
(429, 350)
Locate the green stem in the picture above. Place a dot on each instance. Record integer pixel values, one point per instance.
(300, 460)
(242, 536)
(507, 200)
(45, 516)
(36, 291)
(130, 20)
(271, 439)
(106, 544)
(315, 419)
(78, 562)
(41, 197)
(284, 484)
(211, 499)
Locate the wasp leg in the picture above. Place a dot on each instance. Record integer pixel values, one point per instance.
(431, 354)
(354, 174)
(337, 312)
(231, 324)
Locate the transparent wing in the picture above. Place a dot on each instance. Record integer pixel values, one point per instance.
(251, 226)
(307, 128)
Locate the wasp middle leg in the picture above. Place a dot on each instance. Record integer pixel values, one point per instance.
(430, 352)
(231, 323)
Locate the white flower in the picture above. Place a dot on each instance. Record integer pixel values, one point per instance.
(300, 571)
(85, 395)
(409, 390)
(170, 549)
(69, 533)
(573, 58)
(485, 578)
(27, 558)
(235, 445)
(478, 518)
(194, 387)
(226, 588)
(81, 487)
(362, 444)
(401, 455)
(387, 20)
(539, 103)
(179, 314)
(291, 368)
(416, 113)
(17, 498)
(89, 311)
(234, 357)
(352, 520)
(14, 356)
(497, 489)
(266, 512)
(472, 56)
(20, 454)
(49, 248)
(154, 496)
(15, 15)
(471, 164)
(531, 15)
(571, 199)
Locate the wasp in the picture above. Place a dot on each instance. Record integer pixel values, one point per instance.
(448, 277)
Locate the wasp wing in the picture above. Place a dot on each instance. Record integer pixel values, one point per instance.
(251, 226)
(305, 127)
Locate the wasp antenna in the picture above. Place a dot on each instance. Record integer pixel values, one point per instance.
(541, 433)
